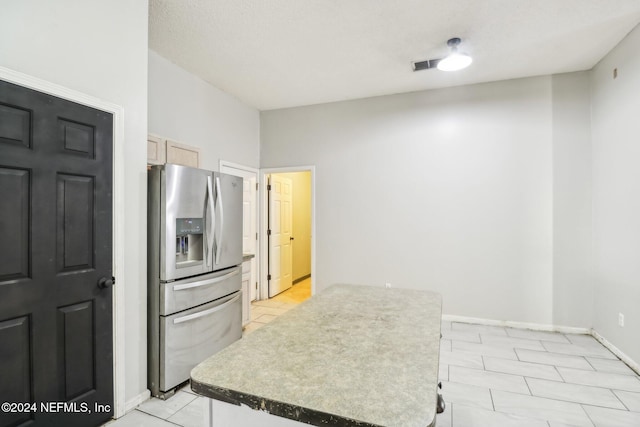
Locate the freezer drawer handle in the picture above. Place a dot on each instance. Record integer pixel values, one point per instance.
(205, 282)
(206, 312)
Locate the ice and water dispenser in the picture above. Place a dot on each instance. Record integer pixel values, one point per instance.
(189, 241)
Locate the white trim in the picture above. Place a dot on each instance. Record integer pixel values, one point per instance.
(615, 350)
(224, 167)
(517, 325)
(264, 267)
(224, 163)
(137, 400)
(118, 213)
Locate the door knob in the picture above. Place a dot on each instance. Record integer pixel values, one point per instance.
(105, 282)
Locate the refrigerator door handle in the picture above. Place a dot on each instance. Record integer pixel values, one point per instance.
(206, 282)
(208, 239)
(206, 312)
(204, 231)
(218, 233)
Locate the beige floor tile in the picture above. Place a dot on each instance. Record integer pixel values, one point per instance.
(266, 318)
(252, 326)
(265, 311)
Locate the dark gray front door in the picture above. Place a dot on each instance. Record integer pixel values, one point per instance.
(56, 349)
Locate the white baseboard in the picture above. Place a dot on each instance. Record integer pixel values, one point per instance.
(132, 403)
(549, 328)
(517, 325)
(615, 350)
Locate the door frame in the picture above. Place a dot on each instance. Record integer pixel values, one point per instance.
(264, 223)
(223, 167)
(117, 111)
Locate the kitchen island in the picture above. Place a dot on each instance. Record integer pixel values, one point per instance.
(350, 356)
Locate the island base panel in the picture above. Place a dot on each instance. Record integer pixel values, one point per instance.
(222, 414)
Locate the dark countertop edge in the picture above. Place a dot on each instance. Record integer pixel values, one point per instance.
(284, 410)
(247, 257)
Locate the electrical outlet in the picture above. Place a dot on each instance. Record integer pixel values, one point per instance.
(621, 319)
(387, 285)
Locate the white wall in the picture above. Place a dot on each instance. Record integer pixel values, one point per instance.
(616, 194)
(449, 190)
(572, 243)
(98, 48)
(187, 109)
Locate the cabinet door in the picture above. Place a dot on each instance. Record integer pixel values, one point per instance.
(246, 298)
(182, 154)
(156, 150)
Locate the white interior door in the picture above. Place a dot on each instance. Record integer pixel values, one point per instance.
(279, 235)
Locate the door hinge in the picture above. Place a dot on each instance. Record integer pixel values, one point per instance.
(268, 277)
(256, 186)
(268, 232)
(256, 236)
(269, 187)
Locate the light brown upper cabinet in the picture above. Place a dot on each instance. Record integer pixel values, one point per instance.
(182, 154)
(161, 151)
(156, 150)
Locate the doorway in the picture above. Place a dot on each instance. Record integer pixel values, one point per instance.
(287, 226)
(119, 236)
(56, 296)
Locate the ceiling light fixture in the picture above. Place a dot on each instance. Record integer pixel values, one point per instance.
(456, 60)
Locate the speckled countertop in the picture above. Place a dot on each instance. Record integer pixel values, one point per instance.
(350, 356)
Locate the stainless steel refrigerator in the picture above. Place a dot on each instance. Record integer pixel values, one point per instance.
(194, 270)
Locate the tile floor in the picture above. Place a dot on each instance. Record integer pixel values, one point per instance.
(263, 312)
(505, 377)
(491, 377)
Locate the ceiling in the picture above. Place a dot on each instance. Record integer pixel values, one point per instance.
(286, 53)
